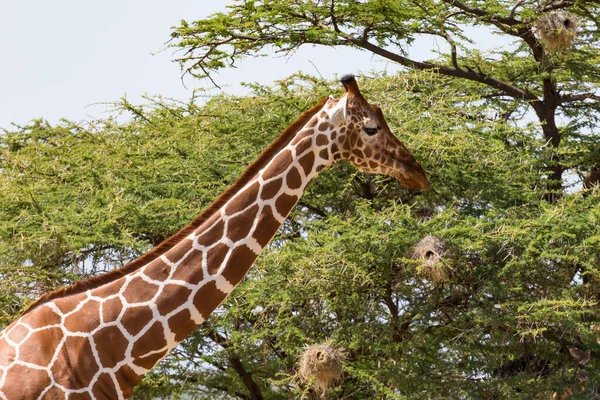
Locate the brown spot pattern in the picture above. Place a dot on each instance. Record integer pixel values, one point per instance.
(17, 333)
(271, 188)
(177, 252)
(139, 291)
(172, 297)
(136, 318)
(293, 179)
(68, 304)
(104, 388)
(56, 394)
(143, 347)
(190, 271)
(7, 353)
(207, 238)
(127, 379)
(303, 146)
(285, 203)
(322, 140)
(111, 337)
(307, 161)
(49, 318)
(215, 257)
(282, 159)
(69, 353)
(18, 373)
(108, 289)
(149, 361)
(208, 298)
(86, 320)
(41, 355)
(182, 324)
(111, 309)
(323, 126)
(239, 263)
(158, 270)
(242, 200)
(266, 227)
(239, 226)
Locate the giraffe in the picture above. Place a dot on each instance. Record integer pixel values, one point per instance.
(97, 338)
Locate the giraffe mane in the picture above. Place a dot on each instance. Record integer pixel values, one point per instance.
(282, 140)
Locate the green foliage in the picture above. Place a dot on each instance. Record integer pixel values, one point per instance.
(252, 28)
(506, 136)
(520, 79)
(77, 199)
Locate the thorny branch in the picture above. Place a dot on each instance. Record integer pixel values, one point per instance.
(236, 364)
(566, 98)
(560, 5)
(469, 74)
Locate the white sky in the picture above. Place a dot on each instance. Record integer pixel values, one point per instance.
(60, 58)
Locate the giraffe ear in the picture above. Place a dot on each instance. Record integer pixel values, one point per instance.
(337, 113)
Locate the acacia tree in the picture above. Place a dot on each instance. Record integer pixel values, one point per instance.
(519, 78)
(522, 282)
(527, 80)
(515, 314)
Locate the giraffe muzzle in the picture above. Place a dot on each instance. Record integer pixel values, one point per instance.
(411, 174)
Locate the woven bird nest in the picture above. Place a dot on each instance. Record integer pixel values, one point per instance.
(322, 366)
(556, 30)
(435, 259)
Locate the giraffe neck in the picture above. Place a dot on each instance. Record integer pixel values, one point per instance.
(110, 336)
(197, 274)
(216, 257)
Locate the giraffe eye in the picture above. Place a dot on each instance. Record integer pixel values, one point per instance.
(370, 131)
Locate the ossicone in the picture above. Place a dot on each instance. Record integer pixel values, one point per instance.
(350, 85)
(346, 79)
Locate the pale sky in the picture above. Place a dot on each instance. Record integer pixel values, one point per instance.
(60, 58)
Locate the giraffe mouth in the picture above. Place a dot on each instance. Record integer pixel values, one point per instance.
(410, 174)
(412, 183)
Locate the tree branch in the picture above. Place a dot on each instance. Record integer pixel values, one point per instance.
(578, 97)
(482, 13)
(557, 5)
(509, 25)
(514, 9)
(509, 89)
(312, 208)
(236, 364)
(224, 389)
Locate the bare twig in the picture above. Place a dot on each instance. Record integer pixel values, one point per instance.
(578, 97)
(509, 89)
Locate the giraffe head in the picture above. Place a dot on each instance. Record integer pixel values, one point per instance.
(365, 139)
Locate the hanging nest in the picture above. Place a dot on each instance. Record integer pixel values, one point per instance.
(435, 259)
(556, 30)
(322, 366)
